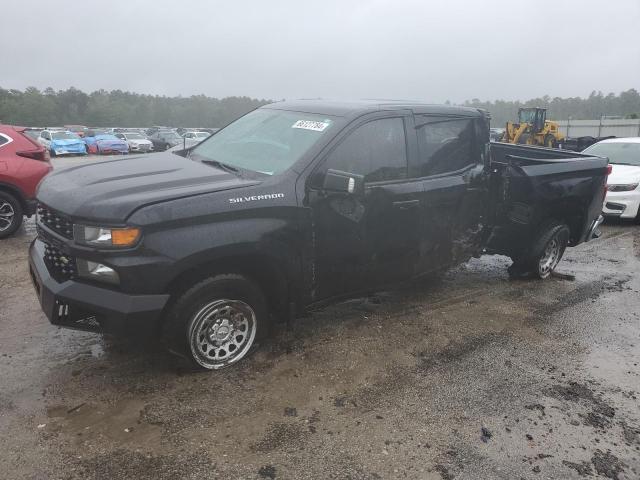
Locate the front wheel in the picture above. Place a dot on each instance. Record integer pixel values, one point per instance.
(217, 321)
(545, 253)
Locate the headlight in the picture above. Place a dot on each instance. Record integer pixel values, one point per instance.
(106, 237)
(622, 188)
(97, 271)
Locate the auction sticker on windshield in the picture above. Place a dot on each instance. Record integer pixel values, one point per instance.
(311, 125)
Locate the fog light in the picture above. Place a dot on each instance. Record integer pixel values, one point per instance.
(97, 271)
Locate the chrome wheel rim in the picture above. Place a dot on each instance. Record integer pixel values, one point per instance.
(550, 257)
(7, 214)
(221, 333)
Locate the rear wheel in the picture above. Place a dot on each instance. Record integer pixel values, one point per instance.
(10, 214)
(545, 252)
(524, 139)
(217, 322)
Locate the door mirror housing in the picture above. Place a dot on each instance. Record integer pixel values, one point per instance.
(345, 182)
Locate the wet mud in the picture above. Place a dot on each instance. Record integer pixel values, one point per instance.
(469, 376)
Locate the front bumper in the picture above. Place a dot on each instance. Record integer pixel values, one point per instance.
(622, 204)
(69, 150)
(102, 148)
(140, 147)
(82, 306)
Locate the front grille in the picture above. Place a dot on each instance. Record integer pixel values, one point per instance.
(61, 267)
(55, 221)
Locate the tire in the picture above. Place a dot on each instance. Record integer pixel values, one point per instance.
(217, 321)
(545, 252)
(52, 152)
(524, 138)
(167, 147)
(10, 214)
(550, 141)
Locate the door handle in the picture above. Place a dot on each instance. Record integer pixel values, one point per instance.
(406, 204)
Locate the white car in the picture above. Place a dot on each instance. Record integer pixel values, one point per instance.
(197, 136)
(137, 142)
(623, 186)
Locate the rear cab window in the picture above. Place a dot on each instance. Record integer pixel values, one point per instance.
(445, 145)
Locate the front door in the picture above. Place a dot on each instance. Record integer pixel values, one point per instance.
(365, 239)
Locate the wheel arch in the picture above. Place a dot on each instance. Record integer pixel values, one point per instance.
(567, 210)
(16, 192)
(267, 272)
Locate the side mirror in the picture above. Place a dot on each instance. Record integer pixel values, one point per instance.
(345, 182)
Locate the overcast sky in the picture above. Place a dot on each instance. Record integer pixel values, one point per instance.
(423, 50)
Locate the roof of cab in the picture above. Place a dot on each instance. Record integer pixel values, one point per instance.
(356, 108)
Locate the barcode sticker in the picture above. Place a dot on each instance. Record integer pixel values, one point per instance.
(311, 125)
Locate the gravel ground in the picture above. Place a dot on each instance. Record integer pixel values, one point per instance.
(473, 376)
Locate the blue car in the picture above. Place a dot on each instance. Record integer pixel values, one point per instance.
(60, 142)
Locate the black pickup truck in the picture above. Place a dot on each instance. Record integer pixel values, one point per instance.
(294, 205)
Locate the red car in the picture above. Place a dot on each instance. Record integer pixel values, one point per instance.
(23, 163)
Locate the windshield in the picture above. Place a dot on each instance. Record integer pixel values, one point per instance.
(64, 136)
(527, 116)
(134, 136)
(266, 141)
(618, 152)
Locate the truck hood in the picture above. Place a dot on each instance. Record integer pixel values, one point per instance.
(112, 190)
(623, 174)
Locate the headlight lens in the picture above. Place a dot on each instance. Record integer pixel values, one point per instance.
(107, 237)
(622, 188)
(97, 271)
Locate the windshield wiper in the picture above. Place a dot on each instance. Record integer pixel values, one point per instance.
(216, 163)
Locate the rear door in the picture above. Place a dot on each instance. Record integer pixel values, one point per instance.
(451, 164)
(366, 239)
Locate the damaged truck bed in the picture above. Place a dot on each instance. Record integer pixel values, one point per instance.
(294, 205)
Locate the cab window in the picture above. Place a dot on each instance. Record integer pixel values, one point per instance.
(445, 145)
(376, 150)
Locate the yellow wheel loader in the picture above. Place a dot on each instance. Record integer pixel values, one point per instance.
(533, 128)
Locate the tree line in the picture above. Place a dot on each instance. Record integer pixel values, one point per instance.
(101, 108)
(33, 107)
(626, 104)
